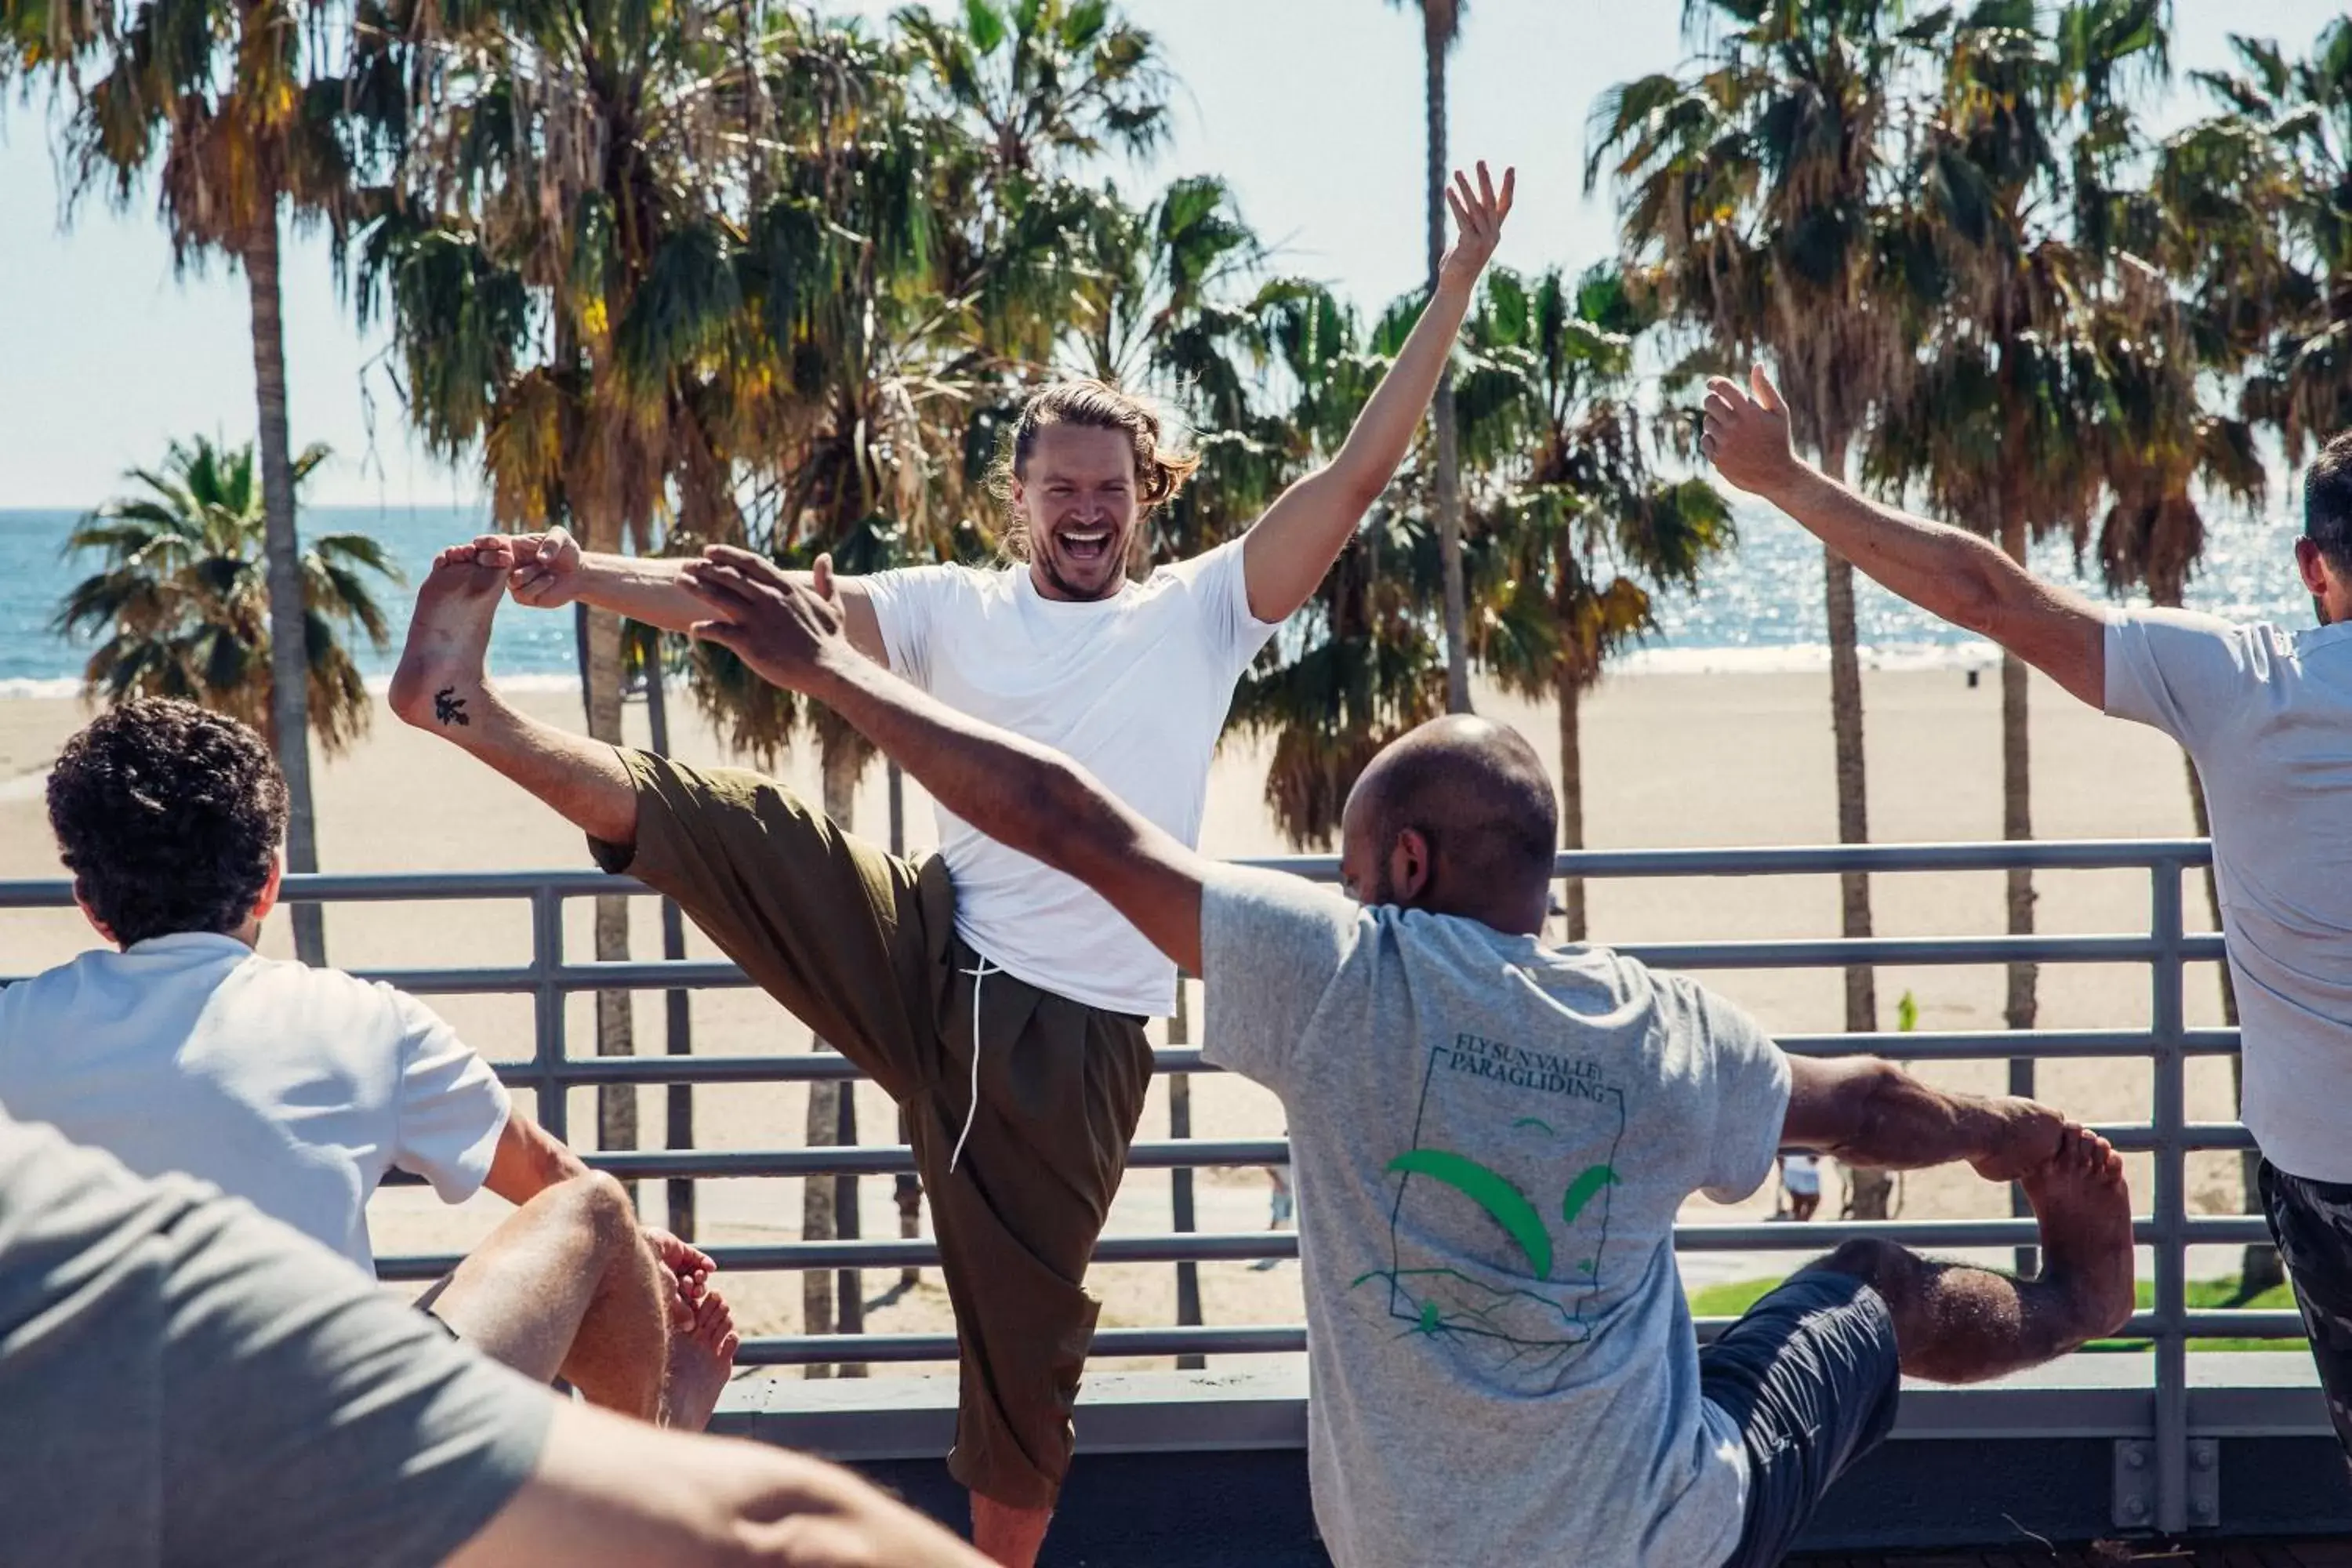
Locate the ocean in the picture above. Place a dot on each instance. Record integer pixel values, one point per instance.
(1760, 609)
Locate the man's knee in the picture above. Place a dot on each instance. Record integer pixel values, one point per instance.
(1880, 1264)
(596, 1204)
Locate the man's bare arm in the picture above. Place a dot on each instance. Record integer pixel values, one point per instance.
(1945, 571)
(1286, 554)
(1018, 793)
(528, 1160)
(551, 569)
(614, 1493)
(1872, 1113)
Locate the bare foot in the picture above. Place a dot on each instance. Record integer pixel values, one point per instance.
(701, 1358)
(2084, 1211)
(441, 670)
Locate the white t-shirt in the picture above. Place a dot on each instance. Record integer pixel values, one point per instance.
(2266, 715)
(294, 1089)
(1134, 689)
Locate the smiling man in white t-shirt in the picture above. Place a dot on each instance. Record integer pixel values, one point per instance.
(180, 1049)
(1001, 1003)
(2265, 713)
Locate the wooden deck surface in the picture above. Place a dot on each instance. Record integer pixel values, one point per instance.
(2336, 1553)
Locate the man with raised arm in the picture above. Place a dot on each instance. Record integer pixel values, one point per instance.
(2266, 714)
(1000, 1002)
(1492, 1138)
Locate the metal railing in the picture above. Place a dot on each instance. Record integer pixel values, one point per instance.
(2165, 948)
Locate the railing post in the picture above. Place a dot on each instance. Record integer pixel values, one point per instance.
(2166, 1031)
(679, 1039)
(1179, 1181)
(548, 1000)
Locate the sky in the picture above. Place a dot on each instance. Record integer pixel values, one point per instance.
(1310, 109)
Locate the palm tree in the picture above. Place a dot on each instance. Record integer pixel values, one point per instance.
(1756, 188)
(183, 598)
(568, 299)
(1441, 29)
(239, 111)
(2017, 207)
(1583, 533)
(1357, 666)
(2288, 123)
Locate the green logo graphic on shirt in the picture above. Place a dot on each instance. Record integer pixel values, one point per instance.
(1523, 1293)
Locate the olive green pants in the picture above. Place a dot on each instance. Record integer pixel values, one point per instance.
(861, 946)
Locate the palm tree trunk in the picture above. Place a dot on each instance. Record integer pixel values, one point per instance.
(2017, 823)
(1437, 37)
(907, 1189)
(290, 653)
(677, 1002)
(1571, 789)
(1868, 1192)
(821, 1197)
(600, 661)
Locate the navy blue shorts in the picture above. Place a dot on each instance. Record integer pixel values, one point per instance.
(2312, 1223)
(1810, 1376)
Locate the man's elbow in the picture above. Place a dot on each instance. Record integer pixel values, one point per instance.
(1867, 1103)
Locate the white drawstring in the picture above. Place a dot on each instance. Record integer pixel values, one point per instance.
(979, 974)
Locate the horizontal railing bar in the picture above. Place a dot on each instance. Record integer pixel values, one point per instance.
(1251, 1245)
(803, 1350)
(1823, 952)
(2046, 1045)
(2048, 854)
(826, 1066)
(1205, 1246)
(1839, 952)
(888, 1159)
(1181, 1153)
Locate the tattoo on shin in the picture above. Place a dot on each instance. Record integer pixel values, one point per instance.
(449, 707)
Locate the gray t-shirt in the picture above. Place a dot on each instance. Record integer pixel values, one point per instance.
(1492, 1138)
(185, 1381)
(2266, 715)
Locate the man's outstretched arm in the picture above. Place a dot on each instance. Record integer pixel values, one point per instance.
(1018, 793)
(1872, 1113)
(549, 570)
(1945, 571)
(1286, 554)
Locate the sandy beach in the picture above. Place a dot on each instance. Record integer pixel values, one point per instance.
(1671, 759)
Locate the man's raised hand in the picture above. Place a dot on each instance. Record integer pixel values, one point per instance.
(1478, 218)
(1747, 433)
(784, 631)
(546, 571)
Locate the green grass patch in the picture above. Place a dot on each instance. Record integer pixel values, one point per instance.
(1735, 1297)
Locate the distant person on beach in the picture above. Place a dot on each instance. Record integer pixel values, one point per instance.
(1492, 1137)
(2266, 714)
(1002, 1004)
(185, 1383)
(179, 1048)
(1800, 1178)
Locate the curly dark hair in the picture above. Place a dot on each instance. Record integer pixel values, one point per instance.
(169, 817)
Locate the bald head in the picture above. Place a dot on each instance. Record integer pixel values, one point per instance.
(1456, 819)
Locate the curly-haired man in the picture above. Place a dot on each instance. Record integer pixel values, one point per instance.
(181, 1049)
